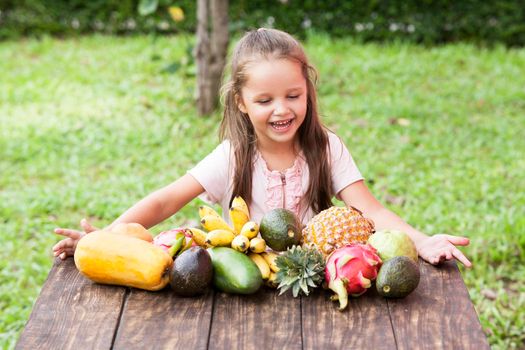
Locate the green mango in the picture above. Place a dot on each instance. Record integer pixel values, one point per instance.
(234, 272)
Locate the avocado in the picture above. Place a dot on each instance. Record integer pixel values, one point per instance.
(281, 229)
(397, 277)
(234, 272)
(192, 272)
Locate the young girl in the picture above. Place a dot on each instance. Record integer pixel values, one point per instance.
(275, 153)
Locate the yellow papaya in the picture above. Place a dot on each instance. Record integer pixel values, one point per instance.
(133, 230)
(109, 258)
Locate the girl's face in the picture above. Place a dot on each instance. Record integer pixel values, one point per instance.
(274, 98)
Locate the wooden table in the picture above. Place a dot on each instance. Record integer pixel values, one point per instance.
(74, 313)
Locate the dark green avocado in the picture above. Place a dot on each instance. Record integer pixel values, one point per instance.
(397, 277)
(192, 272)
(281, 229)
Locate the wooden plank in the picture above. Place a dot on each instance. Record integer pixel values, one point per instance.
(72, 312)
(263, 320)
(364, 324)
(162, 320)
(438, 314)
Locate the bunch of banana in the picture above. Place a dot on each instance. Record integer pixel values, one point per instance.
(219, 234)
(265, 261)
(239, 214)
(241, 237)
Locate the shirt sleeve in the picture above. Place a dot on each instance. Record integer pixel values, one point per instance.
(213, 173)
(344, 169)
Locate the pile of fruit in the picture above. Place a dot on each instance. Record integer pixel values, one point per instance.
(339, 251)
(243, 237)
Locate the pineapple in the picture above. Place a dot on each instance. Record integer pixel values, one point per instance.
(300, 269)
(336, 227)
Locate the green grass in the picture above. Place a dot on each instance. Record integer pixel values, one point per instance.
(90, 125)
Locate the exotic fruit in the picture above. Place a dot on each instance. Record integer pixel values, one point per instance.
(336, 227)
(174, 241)
(300, 268)
(134, 230)
(109, 258)
(392, 243)
(351, 270)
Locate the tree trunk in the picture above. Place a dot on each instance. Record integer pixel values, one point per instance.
(210, 52)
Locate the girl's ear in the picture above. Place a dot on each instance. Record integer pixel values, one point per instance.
(240, 104)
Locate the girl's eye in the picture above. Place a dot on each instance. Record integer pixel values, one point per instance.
(293, 97)
(262, 102)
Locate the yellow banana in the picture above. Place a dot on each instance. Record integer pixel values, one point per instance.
(272, 280)
(257, 245)
(261, 264)
(239, 218)
(241, 243)
(199, 236)
(270, 259)
(220, 238)
(250, 229)
(205, 210)
(212, 222)
(239, 203)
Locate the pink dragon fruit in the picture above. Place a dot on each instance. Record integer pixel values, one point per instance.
(350, 270)
(173, 241)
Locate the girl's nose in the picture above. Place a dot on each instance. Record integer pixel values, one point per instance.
(281, 108)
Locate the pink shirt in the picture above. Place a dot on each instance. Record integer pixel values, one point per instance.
(271, 189)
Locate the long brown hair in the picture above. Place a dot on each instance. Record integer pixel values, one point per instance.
(237, 128)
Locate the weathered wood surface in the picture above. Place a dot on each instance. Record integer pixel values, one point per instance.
(161, 319)
(364, 324)
(260, 321)
(438, 314)
(72, 312)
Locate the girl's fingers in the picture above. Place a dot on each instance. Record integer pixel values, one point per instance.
(86, 226)
(462, 258)
(63, 244)
(448, 255)
(458, 240)
(73, 234)
(69, 251)
(433, 259)
(64, 253)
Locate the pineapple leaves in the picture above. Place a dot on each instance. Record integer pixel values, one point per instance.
(300, 269)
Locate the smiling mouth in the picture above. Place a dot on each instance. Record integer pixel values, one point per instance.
(282, 124)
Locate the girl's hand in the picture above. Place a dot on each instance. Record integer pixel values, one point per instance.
(438, 248)
(66, 247)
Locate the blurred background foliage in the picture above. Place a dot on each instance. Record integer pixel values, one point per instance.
(417, 21)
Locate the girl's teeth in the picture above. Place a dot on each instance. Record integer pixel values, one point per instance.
(281, 124)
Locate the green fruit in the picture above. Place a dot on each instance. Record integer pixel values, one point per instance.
(397, 277)
(391, 243)
(281, 229)
(234, 272)
(192, 272)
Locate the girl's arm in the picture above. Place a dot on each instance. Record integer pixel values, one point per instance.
(433, 249)
(163, 203)
(153, 209)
